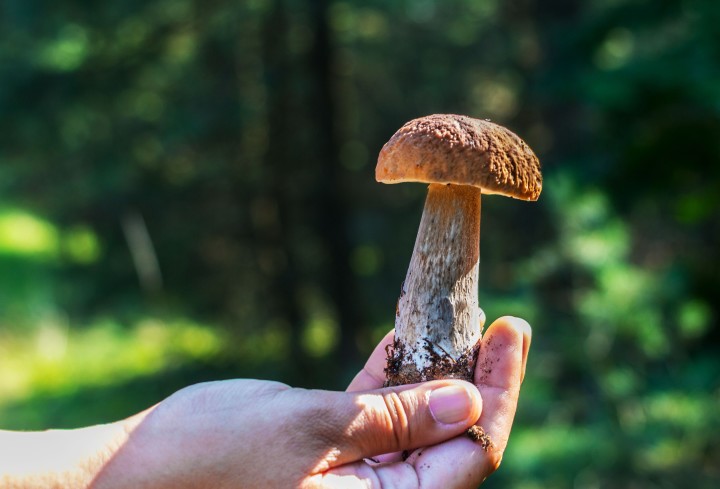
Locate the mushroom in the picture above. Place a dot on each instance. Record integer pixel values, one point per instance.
(438, 323)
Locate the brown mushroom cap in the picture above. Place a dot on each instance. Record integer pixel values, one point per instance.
(449, 148)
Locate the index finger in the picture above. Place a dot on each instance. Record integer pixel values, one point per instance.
(461, 462)
(372, 375)
(499, 373)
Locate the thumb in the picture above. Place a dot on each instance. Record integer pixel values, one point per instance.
(400, 418)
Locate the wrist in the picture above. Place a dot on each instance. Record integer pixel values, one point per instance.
(56, 458)
(59, 458)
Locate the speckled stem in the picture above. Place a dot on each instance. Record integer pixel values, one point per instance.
(437, 325)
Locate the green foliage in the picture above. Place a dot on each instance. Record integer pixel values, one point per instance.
(186, 194)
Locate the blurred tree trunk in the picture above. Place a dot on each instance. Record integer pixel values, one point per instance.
(563, 120)
(279, 194)
(330, 199)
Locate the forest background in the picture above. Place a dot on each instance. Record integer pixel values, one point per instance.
(187, 193)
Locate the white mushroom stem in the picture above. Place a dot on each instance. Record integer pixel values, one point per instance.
(437, 326)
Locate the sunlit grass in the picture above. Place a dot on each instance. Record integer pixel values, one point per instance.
(29, 236)
(56, 359)
(22, 233)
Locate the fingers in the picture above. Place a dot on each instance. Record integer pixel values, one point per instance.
(366, 424)
(363, 476)
(372, 376)
(460, 462)
(499, 372)
(407, 417)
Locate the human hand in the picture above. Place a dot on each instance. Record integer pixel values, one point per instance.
(460, 462)
(247, 433)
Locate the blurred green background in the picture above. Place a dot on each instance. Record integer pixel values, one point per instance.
(187, 193)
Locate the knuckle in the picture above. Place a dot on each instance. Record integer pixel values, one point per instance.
(397, 415)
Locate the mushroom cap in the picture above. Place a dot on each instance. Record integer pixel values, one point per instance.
(455, 149)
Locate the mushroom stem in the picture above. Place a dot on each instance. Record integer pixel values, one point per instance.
(437, 325)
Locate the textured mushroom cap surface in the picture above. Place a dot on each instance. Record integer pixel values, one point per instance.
(455, 149)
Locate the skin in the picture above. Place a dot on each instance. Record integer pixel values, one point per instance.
(250, 433)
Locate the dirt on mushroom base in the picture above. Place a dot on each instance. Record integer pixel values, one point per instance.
(400, 368)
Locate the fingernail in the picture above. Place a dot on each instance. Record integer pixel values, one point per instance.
(450, 404)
